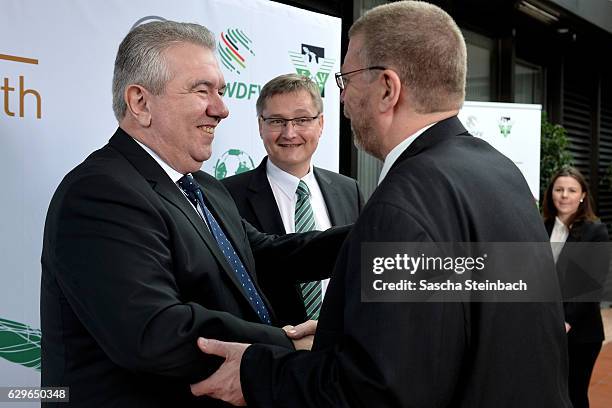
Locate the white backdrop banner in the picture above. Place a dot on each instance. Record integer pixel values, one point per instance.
(56, 64)
(511, 128)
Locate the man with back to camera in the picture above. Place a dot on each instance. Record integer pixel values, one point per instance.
(403, 83)
(143, 252)
(286, 193)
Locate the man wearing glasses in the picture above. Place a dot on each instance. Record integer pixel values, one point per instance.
(438, 184)
(278, 195)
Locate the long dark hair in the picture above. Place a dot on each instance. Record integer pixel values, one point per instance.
(585, 208)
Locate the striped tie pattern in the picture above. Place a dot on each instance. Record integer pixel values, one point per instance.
(305, 221)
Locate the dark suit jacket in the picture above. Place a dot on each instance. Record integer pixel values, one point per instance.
(583, 269)
(446, 187)
(255, 201)
(131, 277)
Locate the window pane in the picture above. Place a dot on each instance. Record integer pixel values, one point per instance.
(478, 87)
(527, 83)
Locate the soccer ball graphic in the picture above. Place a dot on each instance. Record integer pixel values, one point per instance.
(232, 162)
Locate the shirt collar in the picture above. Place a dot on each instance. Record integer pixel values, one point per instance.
(173, 174)
(395, 153)
(287, 182)
(560, 224)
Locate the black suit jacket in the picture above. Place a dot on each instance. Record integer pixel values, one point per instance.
(446, 187)
(583, 269)
(255, 201)
(131, 276)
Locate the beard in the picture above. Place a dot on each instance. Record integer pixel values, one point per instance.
(364, 136)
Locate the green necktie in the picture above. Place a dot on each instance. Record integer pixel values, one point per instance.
(305, 221)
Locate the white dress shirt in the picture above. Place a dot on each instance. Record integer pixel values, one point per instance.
(558, 236)
(284, 186)
(175, 176)
(395, 153)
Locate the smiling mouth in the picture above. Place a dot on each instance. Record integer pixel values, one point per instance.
(207, 129)
(289, 145)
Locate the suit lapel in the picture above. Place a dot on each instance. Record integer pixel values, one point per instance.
(163, 185)
(261, 199)
(549, 226)
(217, 206)
(562, 260)
(563, 254)
(331, 198)
(440, 131)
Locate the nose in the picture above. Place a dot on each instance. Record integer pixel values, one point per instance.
(342, 95)
(288, 130)
(217, 108)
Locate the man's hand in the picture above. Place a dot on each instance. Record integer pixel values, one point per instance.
(302, 335)
(224, 384)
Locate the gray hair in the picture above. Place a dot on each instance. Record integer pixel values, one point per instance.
(423, 44)
(140, 58)
(289, 83)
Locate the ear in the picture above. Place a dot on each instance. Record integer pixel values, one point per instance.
(137, 100)
(260, 124)
(391, 86)
(582, 197)
(321, 123)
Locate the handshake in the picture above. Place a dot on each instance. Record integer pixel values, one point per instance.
(224, 384)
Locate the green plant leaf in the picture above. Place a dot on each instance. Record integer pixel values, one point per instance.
(554, 152)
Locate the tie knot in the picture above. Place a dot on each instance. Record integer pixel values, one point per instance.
(188, 184)
(302, 190)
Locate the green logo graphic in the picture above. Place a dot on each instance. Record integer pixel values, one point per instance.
(505, 125)
(240, 90)
(234, 47)
(232, 162)
(311, 62)
(20, 344)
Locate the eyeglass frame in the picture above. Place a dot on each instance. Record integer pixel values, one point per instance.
(290, 120)
(342, 82)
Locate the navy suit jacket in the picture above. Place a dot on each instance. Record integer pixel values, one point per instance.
(255, 201)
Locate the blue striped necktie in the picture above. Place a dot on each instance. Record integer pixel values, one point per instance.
(193, 191)
(305, 221)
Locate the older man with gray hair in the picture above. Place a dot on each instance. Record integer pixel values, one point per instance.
(143, 252)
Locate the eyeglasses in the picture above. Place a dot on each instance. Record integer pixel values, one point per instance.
(342, 82)
(277, 124)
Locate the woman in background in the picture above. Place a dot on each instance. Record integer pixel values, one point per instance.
(569, 217)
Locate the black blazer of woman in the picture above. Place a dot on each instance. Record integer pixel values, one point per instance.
(584, 317)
